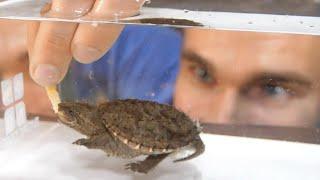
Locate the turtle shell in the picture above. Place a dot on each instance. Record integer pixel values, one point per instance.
(148, 125)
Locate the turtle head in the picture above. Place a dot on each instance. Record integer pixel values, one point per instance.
(79, 116)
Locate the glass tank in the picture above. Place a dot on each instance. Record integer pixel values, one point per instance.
(122, 89)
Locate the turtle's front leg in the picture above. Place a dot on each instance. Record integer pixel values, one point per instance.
(110, 145)
(146, 165)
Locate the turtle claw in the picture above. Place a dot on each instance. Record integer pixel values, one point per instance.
(146, 165)
(80, 141)
(136, 167)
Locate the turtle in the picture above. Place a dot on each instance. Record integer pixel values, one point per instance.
(128, 128)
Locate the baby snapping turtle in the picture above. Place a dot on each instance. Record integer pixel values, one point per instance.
(130, 128)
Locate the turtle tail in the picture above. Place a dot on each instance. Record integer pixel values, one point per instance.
(199, 149)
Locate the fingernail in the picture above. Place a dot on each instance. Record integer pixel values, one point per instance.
(86, 54)
(46, 74)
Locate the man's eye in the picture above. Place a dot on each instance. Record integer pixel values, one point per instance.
(203, 75)
(273, 90)
(270, 92)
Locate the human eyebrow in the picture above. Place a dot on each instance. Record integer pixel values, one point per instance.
(284, 77)
(194, 57)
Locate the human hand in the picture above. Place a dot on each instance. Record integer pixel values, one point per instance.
(51, 45)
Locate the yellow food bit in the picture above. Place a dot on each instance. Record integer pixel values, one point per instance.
(53, 97)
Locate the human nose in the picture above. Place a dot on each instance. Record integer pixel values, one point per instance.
(225, 106)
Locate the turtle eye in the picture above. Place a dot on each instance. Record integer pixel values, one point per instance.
(70, 112)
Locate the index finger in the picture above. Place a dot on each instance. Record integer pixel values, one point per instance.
(91, 42)
(51, 51)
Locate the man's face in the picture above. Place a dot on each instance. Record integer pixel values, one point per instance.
(250, 78)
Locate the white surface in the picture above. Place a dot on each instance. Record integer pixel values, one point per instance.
(18, 87)
(29, 10)
(7, 92)
(46, 152)
(21, 115)
(9, 120)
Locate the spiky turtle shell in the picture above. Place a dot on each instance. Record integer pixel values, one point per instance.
(148, 126)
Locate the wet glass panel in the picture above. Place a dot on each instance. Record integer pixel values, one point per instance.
(253, 93)
(284, 16)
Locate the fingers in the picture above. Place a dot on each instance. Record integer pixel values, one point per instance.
(52, 45)
(91, 42)
(33, 28)
(68, 8)
(116, 8)
(50, 54)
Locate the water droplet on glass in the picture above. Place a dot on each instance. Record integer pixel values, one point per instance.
(95, 24)
(79, 12)
(151, 94)
(116, 17)
(91, 75)
(164, 85)
(110, 62)
(57, 9)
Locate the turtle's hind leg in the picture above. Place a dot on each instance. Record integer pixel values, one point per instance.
(199, 149)
(146, 165)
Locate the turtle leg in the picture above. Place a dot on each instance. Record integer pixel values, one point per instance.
(82, 142)
(108, 144)
(199, 149)
(90, 143)
(146, 165)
